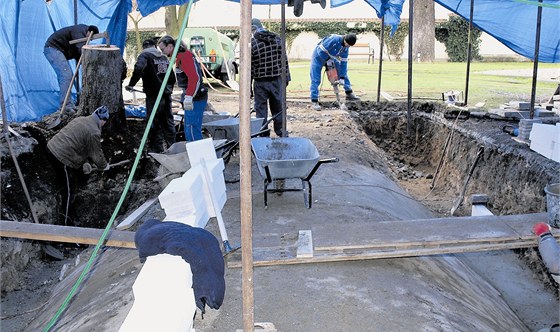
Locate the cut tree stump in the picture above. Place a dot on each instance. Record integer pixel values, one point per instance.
(101, 79)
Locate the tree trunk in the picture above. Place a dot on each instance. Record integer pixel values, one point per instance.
(423, 44)
(171, 24)
(102, 69)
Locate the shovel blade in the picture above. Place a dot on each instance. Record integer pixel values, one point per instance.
(233, 84)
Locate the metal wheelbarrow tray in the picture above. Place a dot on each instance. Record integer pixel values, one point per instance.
(287, 158)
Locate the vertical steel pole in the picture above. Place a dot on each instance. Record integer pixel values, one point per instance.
(284, 78)
(381, 56)
(75, 12)
(410, 28)
(246, 200)
(469, 53)
(536, 61)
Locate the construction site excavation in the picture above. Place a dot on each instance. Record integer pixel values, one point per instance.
(230, 167)
(386, 252)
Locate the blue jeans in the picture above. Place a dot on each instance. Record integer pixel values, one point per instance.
(193, 120)
(63, 73)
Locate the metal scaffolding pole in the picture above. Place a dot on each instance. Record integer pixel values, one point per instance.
(246, 200)
(381, 57)
(469, 53)
(536, 61)
(409, 99)
(284, 64)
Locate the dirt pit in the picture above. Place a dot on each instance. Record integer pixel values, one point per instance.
(509, 173)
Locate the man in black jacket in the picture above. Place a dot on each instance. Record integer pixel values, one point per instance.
(151, 67)
(58, 51)
(266, 71)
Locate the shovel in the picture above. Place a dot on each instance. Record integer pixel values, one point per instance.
(87, 168)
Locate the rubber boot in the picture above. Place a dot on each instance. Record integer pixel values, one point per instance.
(352, 97)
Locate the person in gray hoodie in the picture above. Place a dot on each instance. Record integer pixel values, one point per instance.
(79, 142)
(151, 67)
(266, 71)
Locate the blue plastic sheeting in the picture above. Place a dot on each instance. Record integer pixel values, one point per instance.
(389, 9)
(29, 83)
(514, 23)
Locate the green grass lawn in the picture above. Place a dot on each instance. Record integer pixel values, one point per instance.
(431, 79)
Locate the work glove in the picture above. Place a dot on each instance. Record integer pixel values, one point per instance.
(341, 81)
(129, 88)
(86, 168)
(540, 228)
(106, 168)
(188, 103)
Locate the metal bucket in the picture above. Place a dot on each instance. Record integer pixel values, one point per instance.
(553, 204)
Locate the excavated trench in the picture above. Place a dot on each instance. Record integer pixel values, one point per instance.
(509, 173)
(512, 175)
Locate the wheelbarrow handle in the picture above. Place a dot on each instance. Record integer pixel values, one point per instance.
(322, 161)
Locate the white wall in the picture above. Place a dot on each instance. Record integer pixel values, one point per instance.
(218, 13)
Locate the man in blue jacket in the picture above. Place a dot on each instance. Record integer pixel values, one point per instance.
(333, 47)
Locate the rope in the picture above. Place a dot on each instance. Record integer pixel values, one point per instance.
(107, 229)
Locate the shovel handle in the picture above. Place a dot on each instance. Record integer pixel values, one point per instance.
(74, 76)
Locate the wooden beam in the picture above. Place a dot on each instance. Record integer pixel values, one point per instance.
(137, 214)
(68, 234)
(408, 238)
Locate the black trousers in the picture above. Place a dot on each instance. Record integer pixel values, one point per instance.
(267, 91)
(66, 178)
(163, 127)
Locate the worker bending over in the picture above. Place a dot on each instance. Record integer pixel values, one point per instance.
(58, 51)
(333, 47)
(79, 142)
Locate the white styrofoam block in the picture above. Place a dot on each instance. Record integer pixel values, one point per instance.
(217, 183)
(545, 140)
(185, 204)
(163, 296)
(201, 149)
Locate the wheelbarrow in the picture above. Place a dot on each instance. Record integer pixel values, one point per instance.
(287, 158)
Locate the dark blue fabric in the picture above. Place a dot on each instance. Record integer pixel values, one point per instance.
(29, 82)
(196, 246)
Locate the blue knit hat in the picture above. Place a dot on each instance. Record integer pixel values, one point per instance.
(102, 113)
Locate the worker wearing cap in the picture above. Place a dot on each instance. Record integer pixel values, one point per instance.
(266, 73)
(58, 51)
(333, 47)
(151, 67)
(79, 142)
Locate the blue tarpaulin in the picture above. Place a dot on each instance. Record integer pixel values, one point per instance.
(514, 23)
(31, 90)
(29, 83)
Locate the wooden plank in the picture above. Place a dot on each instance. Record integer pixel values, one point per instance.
(68, 234)
(430, 231)
(137, 214)
(405, 239)
(304, 244)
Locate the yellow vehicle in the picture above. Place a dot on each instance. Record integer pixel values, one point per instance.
(216, 50)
